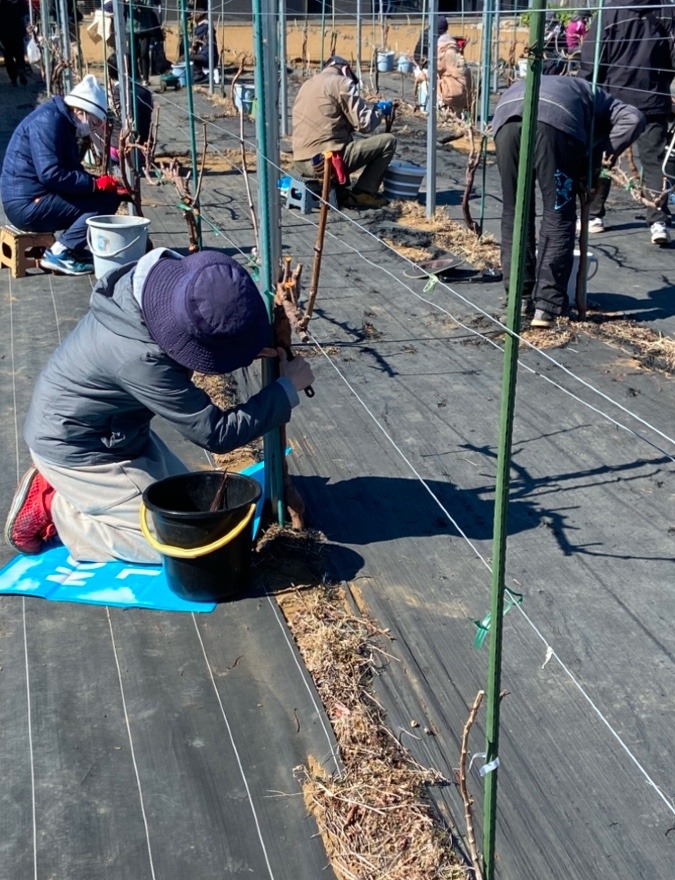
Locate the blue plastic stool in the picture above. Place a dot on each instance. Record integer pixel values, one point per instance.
(304, 194)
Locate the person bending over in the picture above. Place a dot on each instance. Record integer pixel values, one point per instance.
(567, 112)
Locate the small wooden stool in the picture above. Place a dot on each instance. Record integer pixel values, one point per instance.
(21, 250)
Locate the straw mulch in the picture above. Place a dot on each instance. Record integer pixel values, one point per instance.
(220, 161)
(222, 389)
(649, 348)
(375, 819)
(557, 337)
(446, 234)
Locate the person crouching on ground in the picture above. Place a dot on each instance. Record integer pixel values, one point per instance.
(199, 50)
(130, 358)
(328, 110)
(567, 112)
(44, 186)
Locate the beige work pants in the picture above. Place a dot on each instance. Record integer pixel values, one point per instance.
(96, 507)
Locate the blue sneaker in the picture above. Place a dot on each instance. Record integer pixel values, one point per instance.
(67, 263)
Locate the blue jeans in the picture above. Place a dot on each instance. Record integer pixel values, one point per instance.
(53, 212)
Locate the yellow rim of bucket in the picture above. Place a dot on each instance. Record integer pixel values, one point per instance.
(192, 552)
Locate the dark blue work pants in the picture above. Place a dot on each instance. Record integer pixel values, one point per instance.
(53, 212)
(559, 163)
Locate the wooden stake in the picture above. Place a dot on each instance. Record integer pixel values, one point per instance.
(318, 247)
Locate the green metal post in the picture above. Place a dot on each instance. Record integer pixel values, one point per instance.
(62, 12)
(191, 114)
(268, 162)
(594, 86)
(323, 29)
(485, 81)
(133, 72)
(523, 198)
(583, 237)
(46, 34)
(76, 29)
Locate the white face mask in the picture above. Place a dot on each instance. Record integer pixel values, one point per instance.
(83, 129)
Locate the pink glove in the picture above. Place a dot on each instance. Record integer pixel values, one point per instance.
(106, 183)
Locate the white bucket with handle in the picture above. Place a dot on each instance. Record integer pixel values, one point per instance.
(591, 269)
(115, 240)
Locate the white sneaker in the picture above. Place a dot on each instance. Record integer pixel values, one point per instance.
(595, 224)
(660, 234)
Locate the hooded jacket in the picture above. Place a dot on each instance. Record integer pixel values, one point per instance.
(454, 77)
(567, 103)
(637, 53)
(327, 111)
(200, 41)
(42, 156)
(96, 397)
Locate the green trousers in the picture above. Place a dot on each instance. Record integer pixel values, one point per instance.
(372, 154)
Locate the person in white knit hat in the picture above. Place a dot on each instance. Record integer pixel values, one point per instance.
(43, 184)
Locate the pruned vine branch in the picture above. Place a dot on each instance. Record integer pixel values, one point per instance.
(467, 800)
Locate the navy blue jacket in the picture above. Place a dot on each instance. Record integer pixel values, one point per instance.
(200, 41)
(42, 156)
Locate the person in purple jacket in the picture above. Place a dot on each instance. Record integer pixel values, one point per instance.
(43, 184)
(131, 358)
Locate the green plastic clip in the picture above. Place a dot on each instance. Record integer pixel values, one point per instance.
(484, 624)
(431, 283)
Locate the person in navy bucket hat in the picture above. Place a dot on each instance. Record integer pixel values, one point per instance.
(149, 327)
(205, 312)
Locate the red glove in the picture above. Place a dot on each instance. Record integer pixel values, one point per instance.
(339, 168)
(106, 183)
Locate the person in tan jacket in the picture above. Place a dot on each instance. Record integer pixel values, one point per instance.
(454, 77)
(328, 110)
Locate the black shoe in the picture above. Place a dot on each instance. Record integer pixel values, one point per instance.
(22, 79)
(360, 199)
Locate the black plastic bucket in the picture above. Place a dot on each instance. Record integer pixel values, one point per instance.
(201, 562)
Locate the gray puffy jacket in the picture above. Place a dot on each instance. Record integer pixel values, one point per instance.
(95, 399)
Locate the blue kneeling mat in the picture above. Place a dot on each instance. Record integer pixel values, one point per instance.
(54, 575)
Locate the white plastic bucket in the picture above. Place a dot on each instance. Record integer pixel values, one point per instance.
(591, 266)
(423, 95)
(178, 70)
(385, 61)
(405, 64)
(115, 240)
(403, 180)
(244, 96)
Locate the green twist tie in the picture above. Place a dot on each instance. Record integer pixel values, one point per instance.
(254, 271)
(484, 624)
